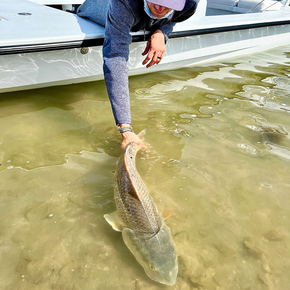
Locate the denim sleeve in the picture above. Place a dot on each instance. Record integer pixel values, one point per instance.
(115, 54)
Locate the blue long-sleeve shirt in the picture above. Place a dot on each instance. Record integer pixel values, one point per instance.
(125, 16)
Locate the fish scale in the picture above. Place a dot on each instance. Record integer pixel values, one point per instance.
(134, 204)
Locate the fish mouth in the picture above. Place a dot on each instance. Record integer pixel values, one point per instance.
(168, 278)
(170, 282)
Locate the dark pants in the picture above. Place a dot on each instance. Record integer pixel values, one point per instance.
(95, 10)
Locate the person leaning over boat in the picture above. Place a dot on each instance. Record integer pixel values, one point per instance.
(120, 17)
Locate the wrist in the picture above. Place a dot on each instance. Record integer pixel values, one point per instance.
(124, 128)
(158, 31)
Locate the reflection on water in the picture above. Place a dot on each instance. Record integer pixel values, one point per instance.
(220, 159)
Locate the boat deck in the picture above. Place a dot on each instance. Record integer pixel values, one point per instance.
(24, 24)
(27, 23)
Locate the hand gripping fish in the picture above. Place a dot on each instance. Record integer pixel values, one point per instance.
(143, 229)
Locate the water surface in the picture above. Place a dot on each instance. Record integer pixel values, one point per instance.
(220, 160)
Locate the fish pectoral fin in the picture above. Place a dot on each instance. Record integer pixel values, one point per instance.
(114, 220)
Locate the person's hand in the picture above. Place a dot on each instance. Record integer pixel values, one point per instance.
(129, 137)
(155, 49)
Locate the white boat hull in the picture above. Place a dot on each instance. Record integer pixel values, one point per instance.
(50, 63)
(59, 67)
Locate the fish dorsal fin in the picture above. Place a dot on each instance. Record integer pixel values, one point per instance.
(130, 167)
(139, 189)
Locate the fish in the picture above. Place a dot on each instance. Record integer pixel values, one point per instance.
(143, 228)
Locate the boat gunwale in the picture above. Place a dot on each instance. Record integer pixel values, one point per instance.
(98, 41)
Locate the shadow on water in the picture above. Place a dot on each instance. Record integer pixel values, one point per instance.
(59, 97)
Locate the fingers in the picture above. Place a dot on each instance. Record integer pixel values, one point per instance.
(155, 59)
(146, 50)
(148, 57)
(155, 49)
(129, 137)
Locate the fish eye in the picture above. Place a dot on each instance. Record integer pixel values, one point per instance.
(151, 267)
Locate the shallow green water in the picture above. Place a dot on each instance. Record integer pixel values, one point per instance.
(220, 159)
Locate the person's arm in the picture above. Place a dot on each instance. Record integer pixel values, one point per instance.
(115, 54)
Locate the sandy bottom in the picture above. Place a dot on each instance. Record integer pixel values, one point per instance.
(220, 161)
